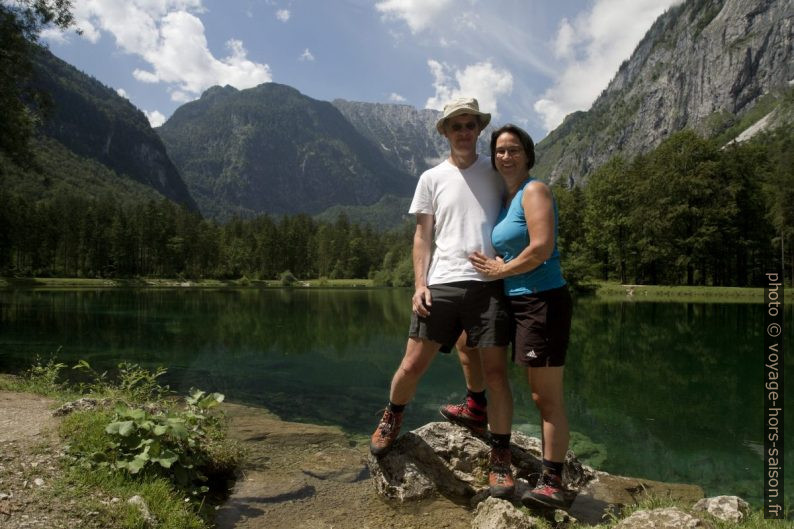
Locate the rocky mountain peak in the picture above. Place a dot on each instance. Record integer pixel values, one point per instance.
(702, 65)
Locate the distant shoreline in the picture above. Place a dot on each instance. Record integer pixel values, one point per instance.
(601, 290)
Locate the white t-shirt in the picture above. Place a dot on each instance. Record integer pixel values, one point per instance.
(465, 204)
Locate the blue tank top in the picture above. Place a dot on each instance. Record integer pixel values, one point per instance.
(510, 236)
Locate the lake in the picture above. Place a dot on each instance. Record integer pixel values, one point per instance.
(665, 391)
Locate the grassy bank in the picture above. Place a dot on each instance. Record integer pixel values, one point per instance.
(129, 436)
(601, 289)
(615, 291)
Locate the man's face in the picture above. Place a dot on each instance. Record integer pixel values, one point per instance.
(461, 132)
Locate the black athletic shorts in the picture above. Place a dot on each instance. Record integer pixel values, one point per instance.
(477, 307)
(542, 327)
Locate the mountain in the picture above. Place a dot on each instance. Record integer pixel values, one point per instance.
(271, 149)
(94, 142)
(716, 66)
(406, 136)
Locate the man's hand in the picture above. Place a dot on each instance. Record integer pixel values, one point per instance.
(421, 302)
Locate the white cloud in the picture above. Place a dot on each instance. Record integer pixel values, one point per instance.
(55, 35)
(181, 97)
(591, 47)
(155, 118)
(306, 55)
(283, 14)
(169, 36)
(396, 98)
(122, 93)
(418, 14)
(144, 76)
(481, 80)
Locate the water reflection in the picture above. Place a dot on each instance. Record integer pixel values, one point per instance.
(667, 391)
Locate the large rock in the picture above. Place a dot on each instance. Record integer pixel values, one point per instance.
(443, 458)
(665, 518)
(728, 508)
(500, 514)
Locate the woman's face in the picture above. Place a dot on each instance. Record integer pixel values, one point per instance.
(511, 158)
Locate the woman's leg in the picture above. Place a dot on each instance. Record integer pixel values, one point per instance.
(546, 384)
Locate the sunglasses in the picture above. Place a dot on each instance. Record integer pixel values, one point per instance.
(457, 127)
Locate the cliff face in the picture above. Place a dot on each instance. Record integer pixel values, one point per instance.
(94, 122)
(406, 136)
(703, 64)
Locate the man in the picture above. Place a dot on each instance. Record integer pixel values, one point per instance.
(456, 204)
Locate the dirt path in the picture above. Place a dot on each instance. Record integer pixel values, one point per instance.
(29, 465)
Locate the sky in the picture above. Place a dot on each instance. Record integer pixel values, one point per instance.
(529, 62)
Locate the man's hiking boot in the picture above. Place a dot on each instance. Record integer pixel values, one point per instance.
(387, 431)
(469, 415)
(548, 493)
(500, 475)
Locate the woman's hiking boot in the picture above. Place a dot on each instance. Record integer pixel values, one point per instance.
(500, 475)
(469, 415)
(547, 493)
(387, 431)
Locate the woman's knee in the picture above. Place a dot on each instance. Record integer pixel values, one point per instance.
(547, 404)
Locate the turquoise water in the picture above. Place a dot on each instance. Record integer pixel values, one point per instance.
(666, 391)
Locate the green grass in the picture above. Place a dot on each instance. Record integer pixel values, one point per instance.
(85, 432)
(94, 492)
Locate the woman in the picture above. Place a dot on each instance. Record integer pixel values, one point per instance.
(525, 237)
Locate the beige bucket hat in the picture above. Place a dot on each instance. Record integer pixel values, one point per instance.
(463, 105)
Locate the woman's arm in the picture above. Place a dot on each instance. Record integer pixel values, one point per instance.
(539, 212)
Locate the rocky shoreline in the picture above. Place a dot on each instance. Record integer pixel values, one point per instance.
(318, 477)
(303, 475)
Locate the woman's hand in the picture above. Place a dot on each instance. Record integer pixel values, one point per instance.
(491, 268)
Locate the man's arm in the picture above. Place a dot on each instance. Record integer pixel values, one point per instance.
(422, 248)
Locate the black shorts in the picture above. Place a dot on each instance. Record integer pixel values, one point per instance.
(542, 327)
(477, 307)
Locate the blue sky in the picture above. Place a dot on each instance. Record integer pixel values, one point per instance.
(530, 62)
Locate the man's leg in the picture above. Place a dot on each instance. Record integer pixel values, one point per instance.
(471, 364)
(500, 420)
(418, 355)
(494, 368)
(472, 412)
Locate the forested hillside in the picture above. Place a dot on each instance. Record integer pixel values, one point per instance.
(90, 139)
(688, 212)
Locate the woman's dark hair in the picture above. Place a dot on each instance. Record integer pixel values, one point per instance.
(523, 138)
